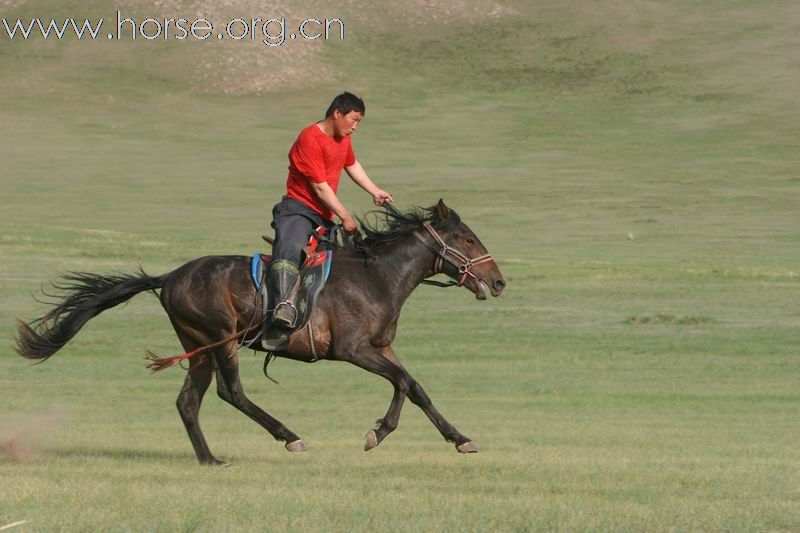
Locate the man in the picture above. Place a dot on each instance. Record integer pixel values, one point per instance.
(316, 160)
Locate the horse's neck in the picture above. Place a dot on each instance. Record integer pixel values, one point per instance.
(404, 267)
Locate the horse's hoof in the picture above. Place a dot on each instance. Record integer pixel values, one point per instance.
(467, 447)
(216, 462)
(372, 440)
(296, 446)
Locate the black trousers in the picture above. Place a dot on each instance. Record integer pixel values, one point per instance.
(294, 222)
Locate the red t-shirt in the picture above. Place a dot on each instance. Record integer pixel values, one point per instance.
(317, 157)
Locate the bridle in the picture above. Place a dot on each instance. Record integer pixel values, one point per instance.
(454, 256)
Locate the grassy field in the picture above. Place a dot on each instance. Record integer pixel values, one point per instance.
(633, 167)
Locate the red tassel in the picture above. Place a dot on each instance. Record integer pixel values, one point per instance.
(160, 363)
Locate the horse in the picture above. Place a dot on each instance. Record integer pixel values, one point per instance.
(213, 306)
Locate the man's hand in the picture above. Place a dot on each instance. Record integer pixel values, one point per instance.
(349, 224)
(358, 175)
(381, 197)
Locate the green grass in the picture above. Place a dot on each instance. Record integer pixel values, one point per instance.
(632, 166)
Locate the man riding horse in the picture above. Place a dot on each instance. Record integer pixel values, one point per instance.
(212, 301)
(316, 160)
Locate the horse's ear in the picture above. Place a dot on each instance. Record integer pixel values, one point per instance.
(442, 210)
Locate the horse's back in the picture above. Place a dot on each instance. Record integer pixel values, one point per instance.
(209, 285)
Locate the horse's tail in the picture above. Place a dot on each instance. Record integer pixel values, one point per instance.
(84, 297)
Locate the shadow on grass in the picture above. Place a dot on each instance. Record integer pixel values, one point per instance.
(121, 453)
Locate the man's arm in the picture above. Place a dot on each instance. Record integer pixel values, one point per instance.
(328, 197)
(359, 175)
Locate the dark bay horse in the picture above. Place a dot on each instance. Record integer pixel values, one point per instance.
(212, 305)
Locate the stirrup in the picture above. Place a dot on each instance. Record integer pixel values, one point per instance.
(284, 315)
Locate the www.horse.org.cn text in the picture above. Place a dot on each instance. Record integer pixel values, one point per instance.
(270, 31)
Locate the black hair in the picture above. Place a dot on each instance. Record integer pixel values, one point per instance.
(345, 103)
(390, 226)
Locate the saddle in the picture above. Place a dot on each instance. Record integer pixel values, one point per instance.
(313, 274)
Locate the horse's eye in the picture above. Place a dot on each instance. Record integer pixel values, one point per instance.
(470, 241)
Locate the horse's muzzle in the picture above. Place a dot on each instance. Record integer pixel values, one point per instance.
(497, 286)
(479, 287)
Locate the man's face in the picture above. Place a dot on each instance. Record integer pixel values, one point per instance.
(345, 125)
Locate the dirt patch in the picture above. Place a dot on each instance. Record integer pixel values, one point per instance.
(248, 66)
(19, 437)
(10, 4)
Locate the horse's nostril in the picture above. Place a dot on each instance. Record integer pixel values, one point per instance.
(499, 284)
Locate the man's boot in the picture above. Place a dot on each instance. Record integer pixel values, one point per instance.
(282, 278)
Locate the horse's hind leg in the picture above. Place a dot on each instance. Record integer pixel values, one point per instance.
(189, 399)
(229, 388)
(197, 380)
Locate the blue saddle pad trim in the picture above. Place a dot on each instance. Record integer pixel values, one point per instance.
(255, 262)
(328, 264)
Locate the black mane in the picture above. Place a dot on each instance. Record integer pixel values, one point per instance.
(391, 226)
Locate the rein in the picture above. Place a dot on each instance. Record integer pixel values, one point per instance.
(454, 256)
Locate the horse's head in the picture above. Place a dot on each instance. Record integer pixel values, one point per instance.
(466, 260)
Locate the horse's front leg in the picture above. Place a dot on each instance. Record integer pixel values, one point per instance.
(420, 398)
(369, 358)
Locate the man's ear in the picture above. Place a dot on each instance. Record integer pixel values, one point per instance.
(442, 210)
